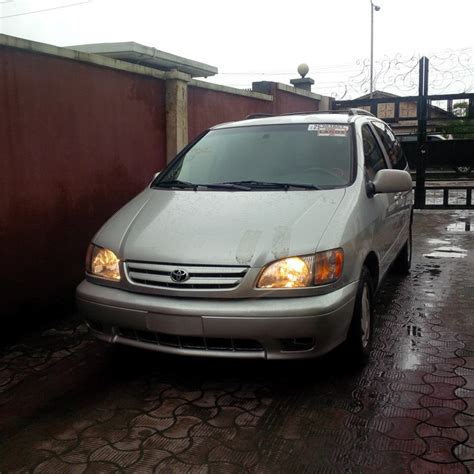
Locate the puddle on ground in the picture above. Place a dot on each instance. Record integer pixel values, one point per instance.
(447, 252)
(461, 227)
(464, 226)
(409, 360)
(463, 223)
(438, 242)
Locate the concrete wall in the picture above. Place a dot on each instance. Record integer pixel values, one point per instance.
(289, 100)
(76, 142)
(210, 104)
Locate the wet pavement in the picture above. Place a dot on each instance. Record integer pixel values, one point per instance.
(71, 404)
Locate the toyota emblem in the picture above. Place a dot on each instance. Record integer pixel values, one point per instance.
(179, 275)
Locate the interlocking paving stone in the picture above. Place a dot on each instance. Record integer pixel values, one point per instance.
(428, 401)
(428, 467)
(424, 430)
(464, 452)
(71, 404)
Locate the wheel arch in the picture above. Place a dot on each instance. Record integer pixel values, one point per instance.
(372, 264)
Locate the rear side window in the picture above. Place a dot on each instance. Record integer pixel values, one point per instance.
(374, 159)
(392, 146)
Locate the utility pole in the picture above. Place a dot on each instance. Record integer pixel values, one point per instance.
(372, 8)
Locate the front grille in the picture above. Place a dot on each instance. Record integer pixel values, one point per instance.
(158, 275)
(191, 342)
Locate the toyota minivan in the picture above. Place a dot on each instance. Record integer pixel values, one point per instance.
(264, 238)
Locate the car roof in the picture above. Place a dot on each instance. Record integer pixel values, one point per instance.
(309, 117)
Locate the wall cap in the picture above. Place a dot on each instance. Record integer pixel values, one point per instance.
(181, 76)
(293, 90)
(230, 90)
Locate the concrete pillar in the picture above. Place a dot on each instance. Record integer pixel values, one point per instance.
(303, 83)
(176, 112)
(325, 103)
(264, 87)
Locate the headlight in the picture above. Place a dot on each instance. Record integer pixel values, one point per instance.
(102, 263)
(301, 272)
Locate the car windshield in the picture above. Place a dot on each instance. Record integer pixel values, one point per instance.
(290, 156)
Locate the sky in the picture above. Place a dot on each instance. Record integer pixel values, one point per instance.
(253, 40)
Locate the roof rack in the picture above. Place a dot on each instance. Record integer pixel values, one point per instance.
(330, 112)
(351, 111)
(258, 115)
(360, 112)
(308, 112)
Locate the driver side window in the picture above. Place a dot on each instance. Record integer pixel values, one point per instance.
(374, 159)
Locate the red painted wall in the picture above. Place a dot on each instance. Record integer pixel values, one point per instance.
(76, 142)
(209, 107)
(286, 102)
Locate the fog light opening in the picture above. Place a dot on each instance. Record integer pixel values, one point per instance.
(95, 325)
(297, 344)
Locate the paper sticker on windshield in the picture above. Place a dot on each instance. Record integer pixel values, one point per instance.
(329, 130)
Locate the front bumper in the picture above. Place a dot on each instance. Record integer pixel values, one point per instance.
(315, 324)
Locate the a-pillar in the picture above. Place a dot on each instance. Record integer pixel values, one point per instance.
(176, 112)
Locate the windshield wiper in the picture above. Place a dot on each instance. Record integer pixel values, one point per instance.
(238, 186)
(302, 186)
(176, 183)
(270, 184)
(187, 185)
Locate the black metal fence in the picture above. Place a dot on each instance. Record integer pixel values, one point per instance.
(448, 197)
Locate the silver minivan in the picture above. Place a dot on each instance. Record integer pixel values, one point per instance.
(264, 238)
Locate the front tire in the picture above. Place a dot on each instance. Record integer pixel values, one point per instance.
(359, 338)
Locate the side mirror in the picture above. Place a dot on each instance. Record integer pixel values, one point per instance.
(391, 181)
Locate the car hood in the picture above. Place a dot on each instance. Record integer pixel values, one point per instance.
(219, 227)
